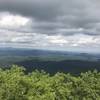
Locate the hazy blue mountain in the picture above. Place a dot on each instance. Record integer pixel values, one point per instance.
(50, 61)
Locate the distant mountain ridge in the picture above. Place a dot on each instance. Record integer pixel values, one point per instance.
(12, 52)
(49, 60)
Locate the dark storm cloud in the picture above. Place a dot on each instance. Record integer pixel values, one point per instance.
(39, 9)
(52, 16)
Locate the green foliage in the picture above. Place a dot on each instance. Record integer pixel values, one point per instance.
(16, 85)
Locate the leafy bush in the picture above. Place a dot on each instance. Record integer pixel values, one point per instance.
(16, 85)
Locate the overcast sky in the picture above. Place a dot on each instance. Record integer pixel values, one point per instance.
(51, 24)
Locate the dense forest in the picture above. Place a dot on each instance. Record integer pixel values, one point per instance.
(16, 84)
(50, 61)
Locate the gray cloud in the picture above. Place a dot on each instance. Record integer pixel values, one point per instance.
(45, 41)
(39, 9)
(50, 24)
(50, 16)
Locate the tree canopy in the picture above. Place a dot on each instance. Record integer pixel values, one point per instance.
(16, 84)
